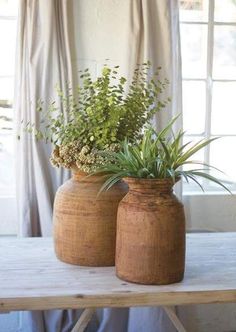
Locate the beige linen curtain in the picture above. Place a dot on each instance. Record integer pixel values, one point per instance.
(43, 60)
(153, 34)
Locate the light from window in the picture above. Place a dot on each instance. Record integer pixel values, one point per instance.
(8, 10)
(208, 45)
(8, 15)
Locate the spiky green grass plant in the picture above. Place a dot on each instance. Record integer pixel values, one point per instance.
(157, 156)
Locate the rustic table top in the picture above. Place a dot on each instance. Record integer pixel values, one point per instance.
(32, 278)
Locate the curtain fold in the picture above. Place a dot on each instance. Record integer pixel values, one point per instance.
(43, 61)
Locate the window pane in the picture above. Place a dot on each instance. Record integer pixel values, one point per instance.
(194, 104)
(8, 7)
(223, 156)
(8, 13)
(224, 64)
(224, 108)
(6, 89)
(194, 50)
(199, 156)
(6, 119)
(8, 42)
(7, 183)
(193, 10)
(225, 11)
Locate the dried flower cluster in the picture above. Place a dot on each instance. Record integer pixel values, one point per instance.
(85, 158)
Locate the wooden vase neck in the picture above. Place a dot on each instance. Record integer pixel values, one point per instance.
(150, 186)
(81, 176)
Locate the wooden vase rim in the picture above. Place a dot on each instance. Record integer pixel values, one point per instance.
(131, 179)
(82, 176)
(152, 185)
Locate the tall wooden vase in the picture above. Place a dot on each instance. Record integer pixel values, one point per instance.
(150, 246)
(84, 223)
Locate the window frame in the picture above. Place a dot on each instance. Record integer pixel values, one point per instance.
(208, 80)
(213, 210)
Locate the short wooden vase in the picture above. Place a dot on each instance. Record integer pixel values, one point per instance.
(150, 243)
(84, 224)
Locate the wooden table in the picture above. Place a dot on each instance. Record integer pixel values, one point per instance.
(31, 278)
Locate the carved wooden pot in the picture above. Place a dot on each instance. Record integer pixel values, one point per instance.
(84, 225)
(150, 243)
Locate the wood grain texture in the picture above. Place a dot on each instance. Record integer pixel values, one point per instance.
(150, 241)
(84, 224)
(174, 319)
(83, 321)
(32, 278)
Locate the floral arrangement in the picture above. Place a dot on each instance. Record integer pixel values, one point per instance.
(157, 155)
(104, 113)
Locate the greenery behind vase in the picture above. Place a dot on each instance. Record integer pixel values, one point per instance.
(104, 113)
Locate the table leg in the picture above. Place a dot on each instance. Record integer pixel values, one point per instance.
(83, 321)
(174, 319)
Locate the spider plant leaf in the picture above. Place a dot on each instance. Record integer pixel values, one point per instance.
(210, 178)
(192, 177)
(183, 174)
(112, 180)
(177, 140)
(164, 131)
(166, 150)
(137, 155)
(195, 148)
(171, 173)
(157, 155)
(195, 162)
(181, 148)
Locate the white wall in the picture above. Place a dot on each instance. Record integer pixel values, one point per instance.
(100, 30)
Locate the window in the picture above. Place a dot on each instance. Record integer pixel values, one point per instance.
(208, 41)
(8, 15)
